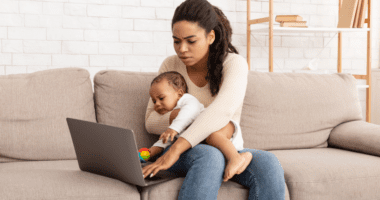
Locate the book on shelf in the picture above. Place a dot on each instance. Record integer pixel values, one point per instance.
(287, 18)
(357, 14)
(347, 13)
(294, 24)
(362, 14)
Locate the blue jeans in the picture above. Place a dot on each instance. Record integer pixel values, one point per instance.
(203, 168)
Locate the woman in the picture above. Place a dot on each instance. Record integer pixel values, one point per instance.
(217, 76)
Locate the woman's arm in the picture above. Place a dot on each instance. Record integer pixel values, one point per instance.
(171, 156)
(229, 99)
(154, 122)
(168, 159)
(180, 146)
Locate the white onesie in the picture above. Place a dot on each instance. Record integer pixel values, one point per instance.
(190, 109)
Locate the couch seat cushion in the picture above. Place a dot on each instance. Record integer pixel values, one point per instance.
(59, 180)
(328, 173)
(169, 191)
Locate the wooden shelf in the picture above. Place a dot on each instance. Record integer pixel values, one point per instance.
(362, 86)
(274, 28)
(311, 29)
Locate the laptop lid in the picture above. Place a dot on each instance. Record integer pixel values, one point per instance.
(108, 151)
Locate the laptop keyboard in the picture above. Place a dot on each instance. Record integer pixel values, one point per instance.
(144, 164)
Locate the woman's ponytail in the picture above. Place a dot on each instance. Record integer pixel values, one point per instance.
(227, 29)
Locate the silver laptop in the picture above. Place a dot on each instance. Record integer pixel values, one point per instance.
(110, 151)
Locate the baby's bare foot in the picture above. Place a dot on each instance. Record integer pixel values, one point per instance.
(237, 165)
(233, 165)
(248, 159)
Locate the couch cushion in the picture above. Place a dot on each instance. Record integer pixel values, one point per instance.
(121, 98)
(292, 110)
(5, 159)
(359, 136)
(328, 173)
(59, 180)
(34, 108)
(170, 190)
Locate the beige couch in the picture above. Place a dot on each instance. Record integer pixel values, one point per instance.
(312, 123)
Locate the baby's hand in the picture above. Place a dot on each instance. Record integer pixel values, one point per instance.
(168, 133)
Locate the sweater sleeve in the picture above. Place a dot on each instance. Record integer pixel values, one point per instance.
(160, 143)
(228, 100)
(156, 123)
(190, 109)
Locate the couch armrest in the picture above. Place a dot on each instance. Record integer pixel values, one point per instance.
(357, 136)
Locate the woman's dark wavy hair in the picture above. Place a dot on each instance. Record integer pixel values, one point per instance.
(209, 17)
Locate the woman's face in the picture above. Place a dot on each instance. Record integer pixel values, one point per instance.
(191, 42)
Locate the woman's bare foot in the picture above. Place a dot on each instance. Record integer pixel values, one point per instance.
(237, 165)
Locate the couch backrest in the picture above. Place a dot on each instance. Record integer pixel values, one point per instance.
(280, 111)
(292, 110)
(121, 99)
(33, 112)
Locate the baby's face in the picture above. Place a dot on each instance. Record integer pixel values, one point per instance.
(164, 96)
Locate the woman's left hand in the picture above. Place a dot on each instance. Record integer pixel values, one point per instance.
(162, 163)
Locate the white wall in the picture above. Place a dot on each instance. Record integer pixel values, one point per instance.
(135, 35)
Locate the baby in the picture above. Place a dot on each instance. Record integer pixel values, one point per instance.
(169, 92)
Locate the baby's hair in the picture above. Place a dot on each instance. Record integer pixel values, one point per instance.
(174, 78)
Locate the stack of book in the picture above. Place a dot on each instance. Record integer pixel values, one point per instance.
(352, 13)
(291, 21)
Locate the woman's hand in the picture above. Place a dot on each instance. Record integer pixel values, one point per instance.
(168, 159)
(162, 163)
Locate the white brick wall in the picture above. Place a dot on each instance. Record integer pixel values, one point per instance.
(136, 35)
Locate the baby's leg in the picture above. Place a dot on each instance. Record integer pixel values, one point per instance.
(236, 163)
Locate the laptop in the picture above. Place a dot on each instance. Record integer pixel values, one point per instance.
(110, 151)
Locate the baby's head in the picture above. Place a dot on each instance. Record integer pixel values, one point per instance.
(166, 89)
